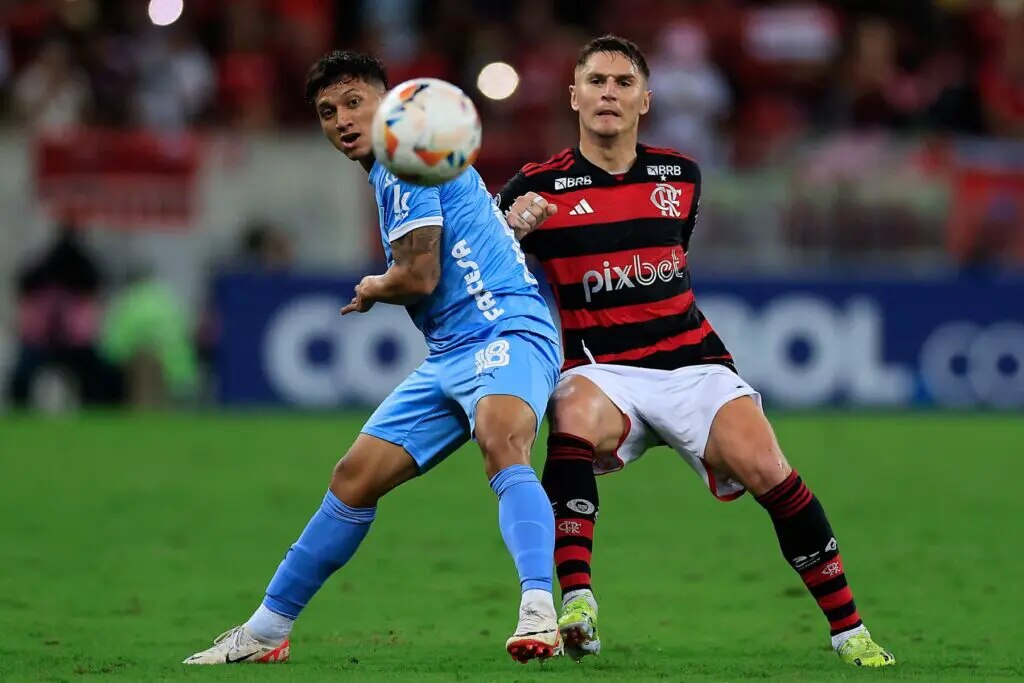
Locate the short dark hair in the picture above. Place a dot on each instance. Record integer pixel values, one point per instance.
(610, 43)
(342, 66)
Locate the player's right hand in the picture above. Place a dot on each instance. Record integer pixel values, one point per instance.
(528, 212)
(363, 299)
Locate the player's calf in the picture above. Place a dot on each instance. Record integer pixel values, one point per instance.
(327, 543)
(743, 445)
(584, 421)
(505, 428)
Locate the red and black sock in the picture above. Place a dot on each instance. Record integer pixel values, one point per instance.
(809, 545)
(571, 486)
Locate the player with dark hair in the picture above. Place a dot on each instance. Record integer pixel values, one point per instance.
(610, 221)
(492, 363)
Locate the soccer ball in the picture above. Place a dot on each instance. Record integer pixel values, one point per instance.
(426, 131)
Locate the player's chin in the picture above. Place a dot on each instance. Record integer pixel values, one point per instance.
(606, 126)
(355, 153)
(607, 131)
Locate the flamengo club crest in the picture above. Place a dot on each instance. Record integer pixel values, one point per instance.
(666, 199)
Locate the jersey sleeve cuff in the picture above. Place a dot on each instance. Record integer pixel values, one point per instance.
(407, 227)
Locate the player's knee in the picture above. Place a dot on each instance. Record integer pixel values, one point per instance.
(504, 449)
(572, 416)
(761, 469)
(356, 482)
(350, 483)
(576, 408)
(507, 444)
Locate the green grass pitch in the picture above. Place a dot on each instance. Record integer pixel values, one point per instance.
(128, 542)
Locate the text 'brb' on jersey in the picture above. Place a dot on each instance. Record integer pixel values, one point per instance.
(615, 256)
(485, 288)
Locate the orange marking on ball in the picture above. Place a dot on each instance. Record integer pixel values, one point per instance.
(390, 142)
(431, 158)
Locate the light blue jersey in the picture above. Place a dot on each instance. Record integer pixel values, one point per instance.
(488, 328)
(485, 285)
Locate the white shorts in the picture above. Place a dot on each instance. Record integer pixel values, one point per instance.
(670, 407)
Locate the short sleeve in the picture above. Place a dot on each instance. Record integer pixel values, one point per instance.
(513, 189)
(407, 207)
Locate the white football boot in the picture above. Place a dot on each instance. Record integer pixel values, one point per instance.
(239, 646)
(537, 635)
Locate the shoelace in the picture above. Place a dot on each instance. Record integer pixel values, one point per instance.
(235, 634)
(531, 619)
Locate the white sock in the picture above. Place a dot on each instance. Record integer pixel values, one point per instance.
(538, 599)
(839, 639)
(269, 626)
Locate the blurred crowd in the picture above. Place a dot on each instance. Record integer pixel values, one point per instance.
(87, 336)
(836, 130)
(734, 80)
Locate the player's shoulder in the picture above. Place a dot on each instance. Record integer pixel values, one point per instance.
(557, 162)
(540, 176)
(665, 161)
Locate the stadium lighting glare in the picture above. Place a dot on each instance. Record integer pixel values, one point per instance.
(497, 81)
(165, 12)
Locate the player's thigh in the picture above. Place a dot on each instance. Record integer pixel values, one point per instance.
(579, 407)
(503, 386)
(419, 418)
(743, 445)
(681, 407)
(601, 403)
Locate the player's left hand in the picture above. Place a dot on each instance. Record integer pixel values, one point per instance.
(362, 301)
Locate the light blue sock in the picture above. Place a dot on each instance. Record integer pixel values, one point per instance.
(527, 524)
(326, 544)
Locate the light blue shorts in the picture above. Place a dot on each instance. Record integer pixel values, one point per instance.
(432, 413)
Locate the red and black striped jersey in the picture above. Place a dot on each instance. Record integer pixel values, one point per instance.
(615, 256)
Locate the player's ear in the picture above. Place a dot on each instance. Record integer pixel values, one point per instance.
(572, 98)
(645, 105)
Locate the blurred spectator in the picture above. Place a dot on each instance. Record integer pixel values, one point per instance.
(176, 80)
(59, 312)
(247, 72)
(879, 93)
(263, 248)
(146, 334)
(1002, 81)
(690, 94)
(52, 91)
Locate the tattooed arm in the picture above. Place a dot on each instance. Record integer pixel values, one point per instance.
(412, 276)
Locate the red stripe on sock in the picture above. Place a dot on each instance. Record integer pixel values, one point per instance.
(780, 488)
(574, 580)
(822, 572)
(845, 623)
(563, 456)
(572, 552)
(800, 499)
(837, 599)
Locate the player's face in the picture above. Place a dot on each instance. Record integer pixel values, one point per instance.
(346, 112)
(610, 94)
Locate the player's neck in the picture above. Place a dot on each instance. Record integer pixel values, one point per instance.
(614, 155)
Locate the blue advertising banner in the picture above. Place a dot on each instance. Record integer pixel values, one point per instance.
(283, 342)
(951, 343)
(899, 343)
